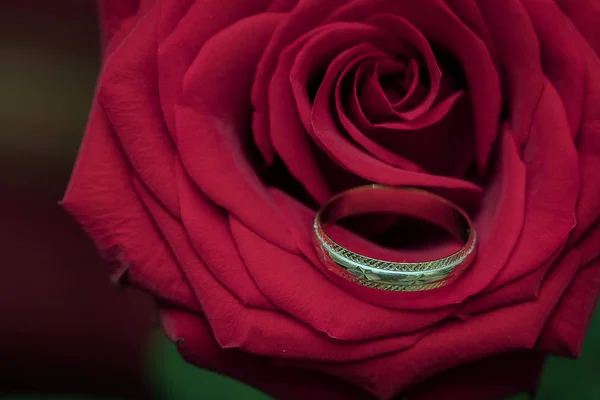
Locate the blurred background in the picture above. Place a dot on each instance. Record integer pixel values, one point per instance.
(65, 330)
(63, 327)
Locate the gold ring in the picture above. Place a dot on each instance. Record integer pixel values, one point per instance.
(395, 275)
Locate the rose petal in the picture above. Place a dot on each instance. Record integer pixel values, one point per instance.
(315, 55)
(404, 31)
(552, 189)
(585, 14)
(496, 377)
(526, 288)
(549, 209)
(437, 22)
(195, 342)
(322, 48)
(213, 119)
(375, 97)
(392, 79)
(297, 288)
(380, 112)
(255, 330)
(183, 29)
(565, 332)
(197, 345)
(287, 135)
(347, 153)
(519, 54)
(470, 14)
(390, 141)
(175, 54)
(416, 92)
(216, 246)
(303, 18)
(562, 58)
(350, 58)
(101, 198)
(446, 124)
(589, 246)
(282, 5)
(354, 106)
(372, 169)
(114, 16)
(588, 149)
(131, 104)
(437, 113)
(499, 331)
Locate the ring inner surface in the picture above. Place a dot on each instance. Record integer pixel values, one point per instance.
(395, 224)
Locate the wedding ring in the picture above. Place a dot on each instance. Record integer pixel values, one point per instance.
(395, 275)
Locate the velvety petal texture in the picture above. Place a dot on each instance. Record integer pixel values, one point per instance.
(220, 127)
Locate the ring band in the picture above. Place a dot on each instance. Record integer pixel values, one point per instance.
(395, 275)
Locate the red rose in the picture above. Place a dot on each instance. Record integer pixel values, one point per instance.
(218, 128)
